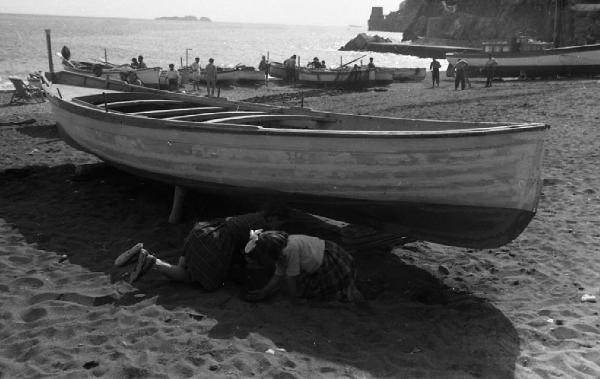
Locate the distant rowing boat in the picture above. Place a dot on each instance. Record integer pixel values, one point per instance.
(148, 76)
(226, 76)
(402, 74)
(334, 77)
(468, 184)
(358, 77)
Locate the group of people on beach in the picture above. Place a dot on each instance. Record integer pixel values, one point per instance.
(138, 63)
(461, 73)
(214, 251)
(316, 63)
(210, 76)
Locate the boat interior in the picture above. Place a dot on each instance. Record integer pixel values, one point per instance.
(249, 116)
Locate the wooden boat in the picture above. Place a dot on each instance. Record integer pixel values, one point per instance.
(402, 74)
(225, 76)
(468, 184)
(246, 74)
(148, 76)
(277, 70)
(358, 77)
(549, 62)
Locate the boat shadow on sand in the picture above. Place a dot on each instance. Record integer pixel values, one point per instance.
(417, 327)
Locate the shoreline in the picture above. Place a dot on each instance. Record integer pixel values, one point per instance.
(438, 311)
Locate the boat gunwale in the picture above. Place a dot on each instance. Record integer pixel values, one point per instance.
(514, 54)
(85, 109)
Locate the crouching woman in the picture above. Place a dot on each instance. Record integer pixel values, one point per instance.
(311, 267)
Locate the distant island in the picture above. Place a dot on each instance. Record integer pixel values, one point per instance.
(185, 18)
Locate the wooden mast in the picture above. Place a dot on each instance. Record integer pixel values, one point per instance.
(558, 5)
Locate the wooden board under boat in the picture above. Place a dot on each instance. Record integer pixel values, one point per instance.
(457, 183)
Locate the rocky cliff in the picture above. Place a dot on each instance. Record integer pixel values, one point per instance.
(477, 20)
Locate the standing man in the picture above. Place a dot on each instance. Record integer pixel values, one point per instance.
(435, 73)
(211, 77)
(460, 74)
(371, 65)
(173, 78)
(264, 67)
(290, 69)
(141, 63)
(490, 69)
(196, 75)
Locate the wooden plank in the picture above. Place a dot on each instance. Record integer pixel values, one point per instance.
(127, 103)
(211, 115)
(266, 117)
(178, 111)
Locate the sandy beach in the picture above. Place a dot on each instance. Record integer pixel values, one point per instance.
(437, 311)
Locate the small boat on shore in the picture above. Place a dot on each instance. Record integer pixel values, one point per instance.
(277, 70)
(470, 184)
(346, 77)
(405, 74)
(148, 76)
(225, 76)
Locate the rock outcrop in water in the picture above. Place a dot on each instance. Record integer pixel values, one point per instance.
(184, 18)
(361, 41)
(477, 20)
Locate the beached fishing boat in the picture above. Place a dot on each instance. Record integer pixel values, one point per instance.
(360, 77)
(527, 59)
(277, 70)
(246, 74)
(225, 76)
(403, 74)
(468, 184)
(148, 76)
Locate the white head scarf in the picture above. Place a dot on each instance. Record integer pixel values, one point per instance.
(253, 239)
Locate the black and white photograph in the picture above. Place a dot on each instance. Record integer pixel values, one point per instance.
(300, 189)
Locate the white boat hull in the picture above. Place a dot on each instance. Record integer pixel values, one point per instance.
(464, 184)
(565, 61)
(148, 76)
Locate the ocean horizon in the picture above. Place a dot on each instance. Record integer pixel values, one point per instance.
(162, 42)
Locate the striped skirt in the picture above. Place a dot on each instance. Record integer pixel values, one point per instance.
(332, 278)
(211, 247)
(205, 261)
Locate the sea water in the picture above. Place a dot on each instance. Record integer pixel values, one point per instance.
(23, 48)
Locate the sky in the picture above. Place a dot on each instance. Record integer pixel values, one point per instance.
(300, 12)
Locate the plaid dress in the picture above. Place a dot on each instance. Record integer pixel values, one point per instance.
(210, 247)
(332, 278)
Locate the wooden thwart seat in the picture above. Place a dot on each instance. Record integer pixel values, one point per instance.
(212, 115)
(265, 117)
(178, 111)
(128, 103)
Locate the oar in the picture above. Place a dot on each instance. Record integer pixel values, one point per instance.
(352, 61)
(66, 60)
(103, 62)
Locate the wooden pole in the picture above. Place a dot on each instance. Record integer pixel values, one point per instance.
(105, 57)
(177, 209)
(49, 47)
(558, 5)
